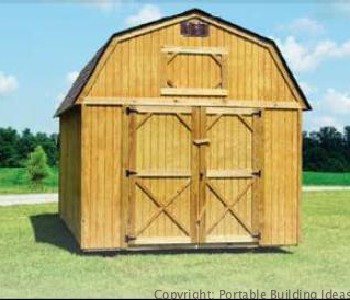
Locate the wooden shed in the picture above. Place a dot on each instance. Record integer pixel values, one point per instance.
(182, 133)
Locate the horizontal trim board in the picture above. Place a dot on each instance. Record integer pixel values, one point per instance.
(230, 239)
(195, 50)
(162, 240)
(180, 247)
(105, 101)
(162, 174)
(230, 173)
(194, 247)
(163, 109)
(232, 111)
(193, 92)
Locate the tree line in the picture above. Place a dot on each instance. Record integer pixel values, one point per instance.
(327, 150)
(324, 150)
(15, 147)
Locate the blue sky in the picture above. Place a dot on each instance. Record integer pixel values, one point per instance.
(45, 43)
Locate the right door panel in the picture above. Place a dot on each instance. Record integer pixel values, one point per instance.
(231, 175)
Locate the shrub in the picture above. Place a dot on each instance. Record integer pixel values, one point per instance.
(37, 167)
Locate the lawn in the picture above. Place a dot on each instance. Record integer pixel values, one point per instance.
(320, 178)
(16, 181)
(39, 259)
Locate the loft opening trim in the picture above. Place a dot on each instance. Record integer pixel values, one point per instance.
(218, 54)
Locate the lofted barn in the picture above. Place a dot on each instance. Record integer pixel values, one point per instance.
(182, 133)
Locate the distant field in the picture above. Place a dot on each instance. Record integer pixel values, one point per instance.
(319, 178)
(16, 181)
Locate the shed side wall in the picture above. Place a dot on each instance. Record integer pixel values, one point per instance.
(134, 68)
(282, 177)
(69, 176)
(101, 177)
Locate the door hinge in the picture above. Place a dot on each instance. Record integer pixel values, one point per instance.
(130, 172)
(256, 236)
(129, 238)
(130, 109)
(257, 173)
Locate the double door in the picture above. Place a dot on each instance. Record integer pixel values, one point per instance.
(193, 174)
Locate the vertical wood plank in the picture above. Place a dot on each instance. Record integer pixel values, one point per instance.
(299, 174)
(195, 170)
(202, 183)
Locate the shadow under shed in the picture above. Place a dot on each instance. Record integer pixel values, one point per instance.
(50, 229)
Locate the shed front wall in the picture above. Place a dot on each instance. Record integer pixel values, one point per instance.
(70, 165)
(134, 67)
(104, 215)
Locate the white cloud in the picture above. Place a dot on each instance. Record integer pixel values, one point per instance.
(8, 84)
(306, 25)
(331, 108)
(72, 76)
(148, 13)
(303, 58)
(337, 102)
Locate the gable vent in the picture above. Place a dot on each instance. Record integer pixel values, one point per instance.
(198, 29)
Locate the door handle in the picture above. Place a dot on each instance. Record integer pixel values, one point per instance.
(201, 142)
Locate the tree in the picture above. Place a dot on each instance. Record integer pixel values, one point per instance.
(37, 167)
(26, 144)
(8, 150)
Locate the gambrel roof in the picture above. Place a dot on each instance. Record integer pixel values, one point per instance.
(88, 70)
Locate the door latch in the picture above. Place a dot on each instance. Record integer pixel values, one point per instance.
(201, 142)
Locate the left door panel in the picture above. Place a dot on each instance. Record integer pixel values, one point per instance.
(159, 172)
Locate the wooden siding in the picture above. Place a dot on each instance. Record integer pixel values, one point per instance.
(101, 177)
(135, 67)
(69, 178)
(281, 175)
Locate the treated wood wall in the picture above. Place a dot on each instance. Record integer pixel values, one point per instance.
(70, 164)
(135, 64)
(282, 177)
(101, 177)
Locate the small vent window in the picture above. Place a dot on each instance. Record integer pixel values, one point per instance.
(198, 29)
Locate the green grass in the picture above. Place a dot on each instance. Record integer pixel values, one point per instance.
(322, 178)
(39, 259)
(16, 181)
